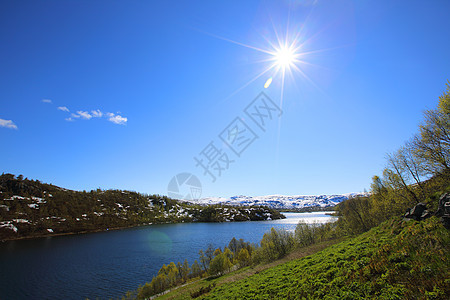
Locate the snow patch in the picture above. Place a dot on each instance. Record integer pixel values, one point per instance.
(21, 221)
(279, 201)
(8, 225)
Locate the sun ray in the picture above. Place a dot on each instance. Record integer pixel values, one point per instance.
(235, 42)
(309, 79)
(285, 54)
(327, 49)
(311, 38)
(302, 62)
(249, 82)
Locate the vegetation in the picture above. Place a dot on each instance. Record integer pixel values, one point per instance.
(397, 259)
(418, 172)
(238, 254)
(382, 255)
(30, 208)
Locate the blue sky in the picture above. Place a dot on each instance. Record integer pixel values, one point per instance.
(124, 94)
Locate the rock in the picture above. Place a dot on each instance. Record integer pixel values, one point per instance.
(425, 215)
(417, 212)
(444, 205)
(444, 210)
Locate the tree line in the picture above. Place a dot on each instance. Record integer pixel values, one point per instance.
(40, 207)
(212, 262)
(419, 171)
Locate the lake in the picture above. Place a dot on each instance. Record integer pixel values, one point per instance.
(107, 264)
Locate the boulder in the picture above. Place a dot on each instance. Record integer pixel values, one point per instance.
(444, 205)
(444, 210)
(425, 215)
(418, 212)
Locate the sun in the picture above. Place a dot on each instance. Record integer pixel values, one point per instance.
(285, 57)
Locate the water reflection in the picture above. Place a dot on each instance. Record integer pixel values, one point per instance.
(320, 217)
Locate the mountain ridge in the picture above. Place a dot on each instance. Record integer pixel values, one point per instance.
(29, 208)
(288, 202)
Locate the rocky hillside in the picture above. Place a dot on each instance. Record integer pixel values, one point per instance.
(30, 208)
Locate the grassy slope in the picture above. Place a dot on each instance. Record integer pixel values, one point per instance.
(184, 292)
(397, 260)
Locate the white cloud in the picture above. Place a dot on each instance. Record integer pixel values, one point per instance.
(46, 100)
(8, 124)
(96, 113)
(117, 119)
(84, 114)
(63, 108)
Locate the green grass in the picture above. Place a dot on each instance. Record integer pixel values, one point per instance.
(185, 291)
(397, 260)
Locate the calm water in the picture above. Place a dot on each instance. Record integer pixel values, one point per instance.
(107, 264)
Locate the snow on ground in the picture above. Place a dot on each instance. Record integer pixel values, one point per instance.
(8, 225)
(14, 198)
(38, 200)
(35, 199)
(279, 201)
(21, 221)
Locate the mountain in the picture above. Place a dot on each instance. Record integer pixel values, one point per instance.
(280, 202)
(29, 208)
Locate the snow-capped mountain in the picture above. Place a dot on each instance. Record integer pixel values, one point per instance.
(279, 201)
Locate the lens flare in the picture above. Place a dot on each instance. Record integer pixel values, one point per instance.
(268, 82)
(159, 242)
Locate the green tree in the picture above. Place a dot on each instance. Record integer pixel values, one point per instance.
(185, 270)
(216, 267)
(172, 273)
(353, 215)
(209, 252)
(217, 252)
(220, 264)
(276, 244)
(196, 269)
(203, 260)
(243, 257)
(233, 245)
(433, 142)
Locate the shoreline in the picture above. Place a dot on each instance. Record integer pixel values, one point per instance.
(103, 230)
(38, 236)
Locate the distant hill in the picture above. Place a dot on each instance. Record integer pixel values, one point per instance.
(29, 208)
(281, 202)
